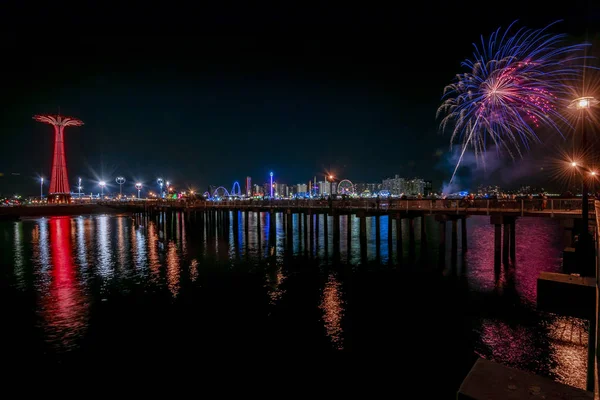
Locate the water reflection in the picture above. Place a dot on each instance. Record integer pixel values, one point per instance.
(318, 296)
(173, 270)
(19, 264)
(81, 242)
(63, 307)
(332, 306)
(104, 252)
(568, 343)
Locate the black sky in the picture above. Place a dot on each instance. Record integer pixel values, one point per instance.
(204, 96)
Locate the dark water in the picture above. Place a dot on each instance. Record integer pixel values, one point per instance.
(105, 292)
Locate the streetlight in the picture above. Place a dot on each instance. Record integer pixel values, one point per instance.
(79, 187)
(160, 184)
(582, 105)
(41, 188)
(102, 184)
(138, 186)
(120, 180)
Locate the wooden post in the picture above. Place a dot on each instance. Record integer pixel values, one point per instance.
(497, 244)
(336, 235)
(442, 245)
(363, 238)
(311, 244)
(258, 229)
(377, 236)
(411, 236)
(506, 244)
(454, 237)
(463, 228)
(513, 242)
(399, 238)
(389, 234)
(316, 234)
(289, 230)
(305, 223)
(349, 234)
(325, 232)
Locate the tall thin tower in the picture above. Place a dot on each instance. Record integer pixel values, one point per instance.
(59, 182)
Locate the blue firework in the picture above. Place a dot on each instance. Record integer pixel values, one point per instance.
(514, 84)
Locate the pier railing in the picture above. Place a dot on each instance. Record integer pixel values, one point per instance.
(481, 206)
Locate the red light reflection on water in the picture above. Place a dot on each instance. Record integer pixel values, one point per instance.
(64, 307)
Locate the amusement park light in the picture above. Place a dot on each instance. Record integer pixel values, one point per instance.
(102, 184)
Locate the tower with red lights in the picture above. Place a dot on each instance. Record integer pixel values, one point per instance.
(59, 182)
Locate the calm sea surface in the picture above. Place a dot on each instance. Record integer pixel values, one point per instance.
(104, 291)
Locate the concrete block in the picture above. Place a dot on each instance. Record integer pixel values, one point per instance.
(568, 295)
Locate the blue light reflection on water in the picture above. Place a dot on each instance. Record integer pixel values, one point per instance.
(237, 280)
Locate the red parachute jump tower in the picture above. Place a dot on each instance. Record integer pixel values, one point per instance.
(59, 182)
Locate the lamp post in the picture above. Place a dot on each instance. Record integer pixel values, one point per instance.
(138, 186)
(582, 106)
(160, 184)
(120, 180)
(102, 184)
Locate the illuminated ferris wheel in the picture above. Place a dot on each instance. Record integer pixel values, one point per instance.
(345, 187)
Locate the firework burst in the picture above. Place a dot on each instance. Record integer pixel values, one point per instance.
(514, 85)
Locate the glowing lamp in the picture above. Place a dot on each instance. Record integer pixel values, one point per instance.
(583, 103)
(573, 164)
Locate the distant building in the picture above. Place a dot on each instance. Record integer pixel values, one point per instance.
(281, 190)
(301, 189)
(248, 186)
(396, 186)
(428, 188)
(267, 189)
(415, 187)
(257, 190)
(324, 188)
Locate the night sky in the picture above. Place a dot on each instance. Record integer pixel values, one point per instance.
(206, 97)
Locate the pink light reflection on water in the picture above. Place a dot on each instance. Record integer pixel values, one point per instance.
(541, 347)
(538, 248)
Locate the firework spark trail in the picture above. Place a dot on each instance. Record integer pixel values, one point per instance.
(462, 153)
(513, 87)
